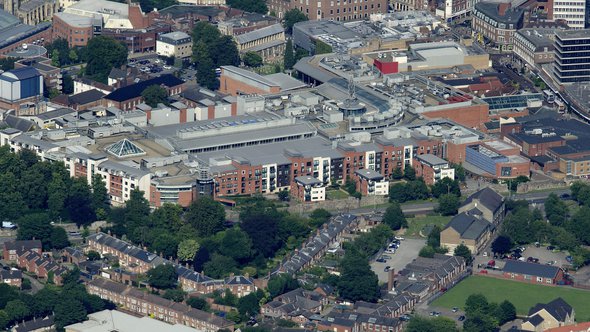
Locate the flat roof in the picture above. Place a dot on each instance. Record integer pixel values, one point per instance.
(431, 159)
(368, 173)
(573, 34)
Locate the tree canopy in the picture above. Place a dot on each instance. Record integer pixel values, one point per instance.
(394, 217)
(252, 59)
(448, 204)
(254, 6)
(162, 276)
(104, 54)
(154, 95)
(291, 17)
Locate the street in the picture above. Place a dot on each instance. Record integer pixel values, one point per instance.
(499, 62)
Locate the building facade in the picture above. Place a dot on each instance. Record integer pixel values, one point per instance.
(175, 44)
(534, 46)
(497, 22)
(572, 58)
(335, 10)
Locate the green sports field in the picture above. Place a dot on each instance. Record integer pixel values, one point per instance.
(522, 295)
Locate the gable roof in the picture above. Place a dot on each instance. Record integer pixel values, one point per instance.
(86, 97)
(487, 197)
(535, 320)
(134, 90)
(468, 226)
(533, 269)
(557, 308)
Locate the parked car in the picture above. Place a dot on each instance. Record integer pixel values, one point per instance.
(522, 249)
(435, 313)
(492, 263)
(387, 268)
(390, 251)
(405, 317)
(550, 247)
(455, 309)
(551, 262)
(386, 257)
(569, 259)
(399, 238)
(485, 254)
(532, 260)
(461, 318)
(565, 196)
(380, 260)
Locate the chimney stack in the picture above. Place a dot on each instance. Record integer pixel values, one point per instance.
(390, 279)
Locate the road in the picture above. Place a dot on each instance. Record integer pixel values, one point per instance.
(499, 64)
(535, 197)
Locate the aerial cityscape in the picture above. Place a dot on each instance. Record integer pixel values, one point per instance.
(295, 166)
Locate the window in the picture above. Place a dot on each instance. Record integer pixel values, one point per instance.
(539, 279)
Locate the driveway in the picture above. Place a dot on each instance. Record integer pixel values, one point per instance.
(407, 251)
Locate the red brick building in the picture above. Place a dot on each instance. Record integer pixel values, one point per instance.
(432, 168)
(13, 249)
(335, 10)
(533, 273)
(472, 116)
(11, 277)
(126, 98)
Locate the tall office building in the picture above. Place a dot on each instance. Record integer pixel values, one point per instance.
(572, 56)
(574, 12)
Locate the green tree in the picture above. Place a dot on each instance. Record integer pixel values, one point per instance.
(55, 58)
(291, 17)
(104, 54)
(249, 305)
(462, 251)
(409, 173)
(459, 172)
(136, 212)
(555, 210)
(67, 85)
(480, 322)
(502, 245)
(357, 281)
(205, 67)
(79, 203)
(73, 55)
(446, 186)
(394, 217)
(162, 276)
(187, 249)
(236, 244)
(397, 174)
(575, 188)
(100, 197)
(198, 303)
(174, 294)
(437, 324)
(219, 266)
(427, 251)
(322, 48)
(448, 204)
(93, 255)
(319, 217)
(12, 204)
(476, 303)
(206, 216)
(7, 64)
(165, 244)
(434, 237)
(398, 193)
(35, 226)
(255, 6)
(252, 59)
(59, 238)
(16, 310)
(69, 311)
(57, 193)
(205, 32)
(261, 223)
(283, 195)
(289, 58)
(505, 312)
(579, 225)
(4, 320)
(281, 284)
(225, 52)
(154, 95)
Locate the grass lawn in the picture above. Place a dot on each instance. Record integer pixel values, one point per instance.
(336, 194)
(415, 225)
(522, 295)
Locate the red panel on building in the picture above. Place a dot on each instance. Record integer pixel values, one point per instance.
(386, 67)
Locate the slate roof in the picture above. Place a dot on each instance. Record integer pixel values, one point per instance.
(23, 245)
(11, 274)
(260, 33)
(468, 226)
(134, 90)
(558, 308)
(239, 280)
(315, 244)
(532, 269)
(439, 266)
(488, 197)
(21, 124)
(21, 73)
(86, 97)
(535, 320)
(35, 324)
